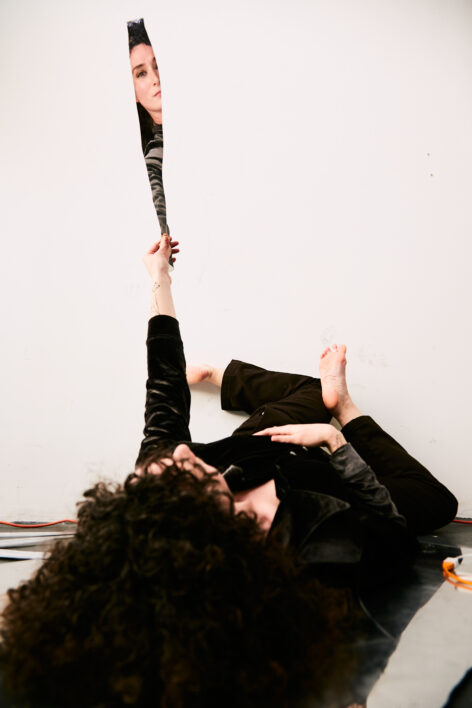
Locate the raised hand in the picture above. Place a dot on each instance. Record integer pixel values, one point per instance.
(157, 258)
(156, 261)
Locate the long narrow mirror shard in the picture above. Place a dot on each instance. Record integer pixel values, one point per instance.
(147, 90)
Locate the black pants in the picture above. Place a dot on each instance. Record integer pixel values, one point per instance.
(275, 398)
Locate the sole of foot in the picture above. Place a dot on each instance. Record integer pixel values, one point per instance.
(333, 377)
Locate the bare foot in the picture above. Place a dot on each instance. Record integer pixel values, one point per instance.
(333, 384)
(197, 374)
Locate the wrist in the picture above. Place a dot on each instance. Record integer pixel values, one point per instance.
(335, 440)
(160, 277)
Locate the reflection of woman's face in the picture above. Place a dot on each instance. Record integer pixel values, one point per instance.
(147, 85)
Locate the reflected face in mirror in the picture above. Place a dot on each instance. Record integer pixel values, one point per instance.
(147, 85)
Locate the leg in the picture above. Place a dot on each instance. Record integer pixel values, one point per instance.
(271, 397)
(421, 498)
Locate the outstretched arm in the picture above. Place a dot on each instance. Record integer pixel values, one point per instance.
(167, 394)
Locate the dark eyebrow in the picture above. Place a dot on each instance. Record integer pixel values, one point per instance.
(138, 66)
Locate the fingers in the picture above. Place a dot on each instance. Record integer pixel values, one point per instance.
(154, 247)
(166, 238)
(277, 437)
(273, 430)
(165, 244)
(284, 438)
(280, 433)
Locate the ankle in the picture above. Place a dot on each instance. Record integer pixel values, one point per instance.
(346, 412)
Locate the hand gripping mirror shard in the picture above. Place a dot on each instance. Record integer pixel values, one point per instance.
(147, 89)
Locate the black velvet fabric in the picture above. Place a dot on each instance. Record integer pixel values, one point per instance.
(352, 514)
(277, 398)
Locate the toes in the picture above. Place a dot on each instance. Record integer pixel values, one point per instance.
(323, 353)
(342, 349)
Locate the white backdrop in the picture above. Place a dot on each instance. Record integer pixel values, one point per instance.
(317, 174)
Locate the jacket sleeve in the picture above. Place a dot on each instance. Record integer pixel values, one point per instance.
(167, 411)
(363, 488)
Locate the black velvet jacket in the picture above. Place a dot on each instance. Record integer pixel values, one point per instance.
(333, 511)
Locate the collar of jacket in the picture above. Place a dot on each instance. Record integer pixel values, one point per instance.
(297, 523)
(299, 515)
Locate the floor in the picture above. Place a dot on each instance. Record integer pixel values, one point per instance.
(430, 622)
(421, 644)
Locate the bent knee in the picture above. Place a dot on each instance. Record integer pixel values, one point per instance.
(449, 510)
(438, 514)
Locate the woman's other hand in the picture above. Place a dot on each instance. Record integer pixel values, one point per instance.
(308, 435)
(157, 258)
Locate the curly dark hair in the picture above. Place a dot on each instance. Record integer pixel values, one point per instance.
(167, 597)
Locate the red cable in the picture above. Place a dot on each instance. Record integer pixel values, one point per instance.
(34, 526)
(463, 521)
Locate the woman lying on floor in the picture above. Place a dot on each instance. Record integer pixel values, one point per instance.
(221, 573)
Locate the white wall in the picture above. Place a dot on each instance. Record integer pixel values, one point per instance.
(317, 174)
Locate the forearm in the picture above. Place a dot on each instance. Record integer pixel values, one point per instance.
(162, 302)
(362, 484)
(167, 394)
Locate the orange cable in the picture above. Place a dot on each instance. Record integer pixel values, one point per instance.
(451, 577)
